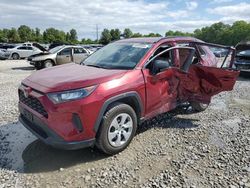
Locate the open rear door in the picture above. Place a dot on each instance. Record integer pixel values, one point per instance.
(204, 79)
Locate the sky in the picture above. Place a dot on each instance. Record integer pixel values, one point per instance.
(144, 16)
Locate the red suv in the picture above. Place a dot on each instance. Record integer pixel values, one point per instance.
(101, 101)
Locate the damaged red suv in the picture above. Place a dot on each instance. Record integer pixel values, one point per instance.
(101, 101)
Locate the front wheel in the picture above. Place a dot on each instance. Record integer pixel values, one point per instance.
(15, 56)
(117, 129)
(48, 63)
(199, 107)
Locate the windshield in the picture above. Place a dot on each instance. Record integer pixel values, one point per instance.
(56, 49)
(118, 56)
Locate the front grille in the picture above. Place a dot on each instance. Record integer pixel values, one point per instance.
(33, 103)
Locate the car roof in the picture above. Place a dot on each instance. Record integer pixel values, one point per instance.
(152, 40)
(71, 46)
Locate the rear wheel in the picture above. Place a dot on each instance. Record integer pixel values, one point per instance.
(48, 63)
(15, 56)
(199, 107)
(117, 130)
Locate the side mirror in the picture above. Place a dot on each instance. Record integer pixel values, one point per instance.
(158, 66)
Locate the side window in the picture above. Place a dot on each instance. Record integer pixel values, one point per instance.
(29, 48)
(21, 48)
(65, 51)
(164, 58)
(79, 51)
(183, 54)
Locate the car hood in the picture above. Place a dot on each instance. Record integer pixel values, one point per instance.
(40, 54)
(41, 57)
(70, 76)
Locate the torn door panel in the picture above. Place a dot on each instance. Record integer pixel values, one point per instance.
(201, 82)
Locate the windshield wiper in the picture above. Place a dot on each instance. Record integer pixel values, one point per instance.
(97, 66)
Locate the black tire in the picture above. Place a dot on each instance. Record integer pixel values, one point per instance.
(15, 56)
(48, 63)
(199, 107)
(102, 140)
(38, 67)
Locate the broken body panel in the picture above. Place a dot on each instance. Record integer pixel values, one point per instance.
(195, 82)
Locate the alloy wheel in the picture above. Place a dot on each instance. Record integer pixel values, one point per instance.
(120, 130)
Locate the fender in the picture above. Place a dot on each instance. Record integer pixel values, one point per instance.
(105, 105)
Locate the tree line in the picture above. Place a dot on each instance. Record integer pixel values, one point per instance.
(219, 33)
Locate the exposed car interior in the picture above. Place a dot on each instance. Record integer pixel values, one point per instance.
(165, 57)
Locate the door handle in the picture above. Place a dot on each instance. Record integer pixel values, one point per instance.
(67, 56)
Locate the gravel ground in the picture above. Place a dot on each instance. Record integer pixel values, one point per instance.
(178, 149)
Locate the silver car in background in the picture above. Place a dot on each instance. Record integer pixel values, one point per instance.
(2, 54)
(21, 52)
(59, 55)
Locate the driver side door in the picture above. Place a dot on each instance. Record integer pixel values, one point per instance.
(64, 56)
(161, 85)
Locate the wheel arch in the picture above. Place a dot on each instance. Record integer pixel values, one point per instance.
(53, 61)
(130, 98)
(11, 55)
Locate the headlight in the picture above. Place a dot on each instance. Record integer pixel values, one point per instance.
(70, 95)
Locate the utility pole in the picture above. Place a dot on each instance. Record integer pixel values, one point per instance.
(97, 37)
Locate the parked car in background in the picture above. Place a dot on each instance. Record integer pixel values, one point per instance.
(7, 46)
(2, 54)
(93, 48)
(55, 44)
(218, 52)
(102, 101)
(242, 61)
(59, 55)
(19, 52)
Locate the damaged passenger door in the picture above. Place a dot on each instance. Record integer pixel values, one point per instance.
(207, 77)
(183, 78)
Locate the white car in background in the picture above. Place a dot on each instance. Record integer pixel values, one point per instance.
(22, 52)
(2, 54)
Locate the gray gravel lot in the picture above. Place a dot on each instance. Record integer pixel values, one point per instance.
(178, 149)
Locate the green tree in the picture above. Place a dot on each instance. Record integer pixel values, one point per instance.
(25, 33)
(51, 35)
(105, 37)
(88, 41)
(73, 36)
(240, 31)
(115, 34)
(177, 33)
(38, 37)
(213, 34)
(152, 35)
(127, 33)
(2, 36)
(13, 35)
(67, 37)
(135, 35)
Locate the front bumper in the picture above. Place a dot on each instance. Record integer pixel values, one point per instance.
(35, 63)
(6, 55)
(2, 57)
(48, 136)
